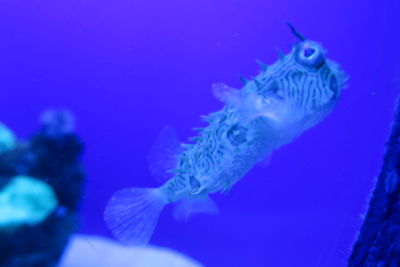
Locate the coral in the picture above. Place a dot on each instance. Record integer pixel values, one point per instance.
(25, 200)
(51, 157)
(7, 139)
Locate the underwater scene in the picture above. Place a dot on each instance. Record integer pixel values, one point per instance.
(199, 133)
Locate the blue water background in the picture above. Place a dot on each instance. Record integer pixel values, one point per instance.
(128, 68)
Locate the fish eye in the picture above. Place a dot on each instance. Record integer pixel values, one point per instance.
(310, 54)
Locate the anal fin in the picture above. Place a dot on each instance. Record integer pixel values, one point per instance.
(190, 206)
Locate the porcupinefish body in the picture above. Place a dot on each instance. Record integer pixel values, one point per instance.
(284, 100)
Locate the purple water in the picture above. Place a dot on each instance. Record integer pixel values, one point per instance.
(128, 68)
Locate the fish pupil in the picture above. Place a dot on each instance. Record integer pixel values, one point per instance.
(308, 52)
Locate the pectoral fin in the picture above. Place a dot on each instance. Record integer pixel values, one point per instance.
(226, 94)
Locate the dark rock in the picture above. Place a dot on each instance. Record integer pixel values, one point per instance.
(56, 160)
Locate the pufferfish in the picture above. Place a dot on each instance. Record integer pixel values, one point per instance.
(285, 99)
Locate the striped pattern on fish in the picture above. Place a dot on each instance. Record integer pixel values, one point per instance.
(284, 100)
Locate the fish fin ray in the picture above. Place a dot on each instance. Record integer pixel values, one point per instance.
(132, 214)
(162, 156)
(226, 94)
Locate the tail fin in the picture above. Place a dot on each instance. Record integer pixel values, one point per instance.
(132, 214)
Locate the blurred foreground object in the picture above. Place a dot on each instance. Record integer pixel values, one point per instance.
(7, 139)
(41, 184)
(88, 251)
(378, 243)
(25, 200)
